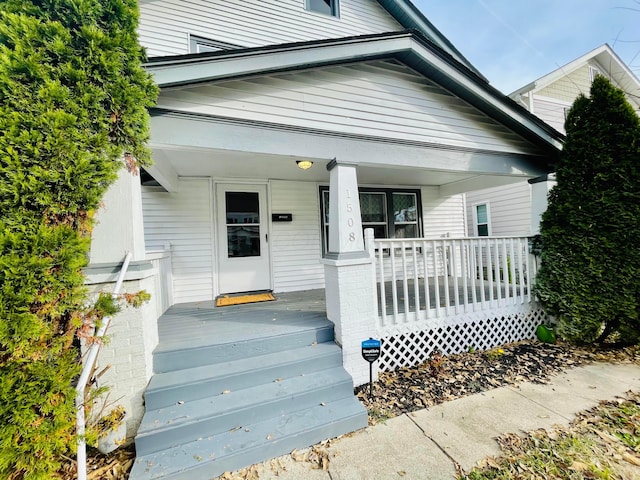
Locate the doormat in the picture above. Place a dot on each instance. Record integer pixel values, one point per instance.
(227, 300)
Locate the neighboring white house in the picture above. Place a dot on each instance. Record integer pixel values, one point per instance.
(380, 103)
(515, 209)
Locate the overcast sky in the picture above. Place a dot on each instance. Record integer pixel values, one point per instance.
(513, 42)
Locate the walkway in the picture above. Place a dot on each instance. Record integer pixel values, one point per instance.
(425, 444)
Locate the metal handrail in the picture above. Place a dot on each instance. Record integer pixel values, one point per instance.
(90, 360)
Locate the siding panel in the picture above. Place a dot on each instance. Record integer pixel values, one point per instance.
(165, 25)
(442, 216)
(295, 246)
(509, 209)
(383, 99)
(183, 219)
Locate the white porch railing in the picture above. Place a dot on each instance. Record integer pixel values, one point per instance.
(160, 257)
(451, 294)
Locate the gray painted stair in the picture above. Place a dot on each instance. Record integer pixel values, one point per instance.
(221, 407)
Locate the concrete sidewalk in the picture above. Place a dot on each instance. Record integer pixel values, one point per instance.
(427, 444)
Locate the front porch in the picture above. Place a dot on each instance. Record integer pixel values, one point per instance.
(444, 295)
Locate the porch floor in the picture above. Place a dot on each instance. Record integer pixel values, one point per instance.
(196, 324)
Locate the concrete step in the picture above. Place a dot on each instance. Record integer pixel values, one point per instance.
(184, 422)
(167, 358)
(210, 456)
(186, 385)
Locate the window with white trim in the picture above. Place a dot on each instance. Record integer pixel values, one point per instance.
(327, 7)
(202, 44)
(481, 220)
(593, 72)
(391, 213)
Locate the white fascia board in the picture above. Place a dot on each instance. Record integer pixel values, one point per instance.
(471, 86)
(187, 71)
(172, 130)
(568, 68)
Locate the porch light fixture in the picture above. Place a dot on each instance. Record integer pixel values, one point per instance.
(304, 164)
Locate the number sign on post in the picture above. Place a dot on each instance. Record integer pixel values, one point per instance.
(371, 353)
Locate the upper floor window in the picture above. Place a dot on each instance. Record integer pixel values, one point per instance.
(593, 72)
(328, 7)
(481, 220)
(201, 44)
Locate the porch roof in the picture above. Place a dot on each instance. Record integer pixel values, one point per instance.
(410, 47)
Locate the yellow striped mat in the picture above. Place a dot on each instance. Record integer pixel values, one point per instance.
(227, 300)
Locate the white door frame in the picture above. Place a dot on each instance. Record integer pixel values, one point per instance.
(229, 271)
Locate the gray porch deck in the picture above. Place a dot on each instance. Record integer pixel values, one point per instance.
(196, 324)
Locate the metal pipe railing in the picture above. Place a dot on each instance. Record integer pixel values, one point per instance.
(90, 360)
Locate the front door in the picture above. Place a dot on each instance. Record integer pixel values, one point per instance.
(243, 250)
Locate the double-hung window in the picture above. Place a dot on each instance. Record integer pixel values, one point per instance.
(391, 213)
(481, 220)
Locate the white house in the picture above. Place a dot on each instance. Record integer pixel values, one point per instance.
(396, 125)
(515, 209)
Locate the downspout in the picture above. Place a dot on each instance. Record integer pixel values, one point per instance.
(92, 355)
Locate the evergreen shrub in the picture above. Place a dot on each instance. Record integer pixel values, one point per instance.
(590, 261)
(73, 103)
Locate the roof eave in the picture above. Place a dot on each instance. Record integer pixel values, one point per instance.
(411, 48)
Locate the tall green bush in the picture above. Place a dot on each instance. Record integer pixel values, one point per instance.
(590, 273)
(73, 102)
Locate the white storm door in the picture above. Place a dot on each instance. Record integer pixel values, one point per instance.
(243, 251)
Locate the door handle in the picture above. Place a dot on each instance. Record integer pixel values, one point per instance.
(266, 237)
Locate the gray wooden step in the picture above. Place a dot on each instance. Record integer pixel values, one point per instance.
(184, 422)
(186, 385)
(210, 456)
(168, 357)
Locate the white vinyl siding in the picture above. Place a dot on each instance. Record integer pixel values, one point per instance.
(383, 99)
(551, 111)
(295, 245)
(442, 217)
(183, 219)
(165, 25)
(510, 205)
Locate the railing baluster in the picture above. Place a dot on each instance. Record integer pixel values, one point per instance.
(473, 271)
(464, 256)
(447, 298)
(405, 280)
(505, 269)
(496, 268)
(416, 279)
(383, 288)
(436, 276)
(394, 285)
(427, 296)
(512, 272)
(521, 261)
(481, 271)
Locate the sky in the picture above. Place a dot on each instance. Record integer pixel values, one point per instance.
(514, 42)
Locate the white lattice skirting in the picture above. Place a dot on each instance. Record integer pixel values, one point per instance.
(412, 344)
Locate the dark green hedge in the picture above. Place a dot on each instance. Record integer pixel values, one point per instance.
(73, 100)
(590, 273)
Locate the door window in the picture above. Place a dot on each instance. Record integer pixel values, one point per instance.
(243, 224)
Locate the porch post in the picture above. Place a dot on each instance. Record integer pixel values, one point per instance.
(348, 274)
(540, 188)
(133, 332)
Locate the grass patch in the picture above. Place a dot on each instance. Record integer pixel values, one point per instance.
(601, 443)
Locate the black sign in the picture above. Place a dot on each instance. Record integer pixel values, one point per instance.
(281, 217)
(371, 350)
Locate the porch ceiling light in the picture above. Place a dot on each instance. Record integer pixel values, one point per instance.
(304, 164)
